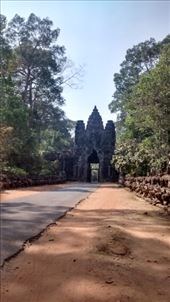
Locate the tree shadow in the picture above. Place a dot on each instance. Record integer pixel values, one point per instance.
(69, 271)
(63, 186)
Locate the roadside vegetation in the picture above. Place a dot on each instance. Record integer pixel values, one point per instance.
(142, 103)
(33, 124)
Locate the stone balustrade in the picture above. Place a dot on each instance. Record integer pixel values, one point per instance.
(153, 188)
(20, 182)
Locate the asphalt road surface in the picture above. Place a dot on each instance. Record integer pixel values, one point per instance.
(25, 217)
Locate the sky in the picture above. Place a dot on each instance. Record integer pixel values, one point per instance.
(96, 34)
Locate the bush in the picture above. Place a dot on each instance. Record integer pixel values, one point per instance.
(14, 172)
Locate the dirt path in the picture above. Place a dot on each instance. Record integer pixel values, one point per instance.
(112, 248)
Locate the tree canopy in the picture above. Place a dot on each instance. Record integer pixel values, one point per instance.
(32, 120)
(142, 101)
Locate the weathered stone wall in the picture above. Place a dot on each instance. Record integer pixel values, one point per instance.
(154, 188)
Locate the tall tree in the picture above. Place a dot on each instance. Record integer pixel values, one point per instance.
(143, 142)
(13, 114)
(32, 64)
(139, 59)
(38, 62)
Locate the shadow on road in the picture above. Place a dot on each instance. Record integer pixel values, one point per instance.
(66, 271)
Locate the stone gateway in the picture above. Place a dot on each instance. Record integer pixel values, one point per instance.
(94, 148)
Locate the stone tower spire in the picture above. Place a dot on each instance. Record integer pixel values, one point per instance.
(94, 121)
(109, 137)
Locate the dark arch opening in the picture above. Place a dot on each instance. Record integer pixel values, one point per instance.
(93, 158)
(93, 173)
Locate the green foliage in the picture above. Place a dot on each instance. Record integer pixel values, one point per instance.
(50, 168)
(32, 120)
(5, 138)
(38, 62)
(144, 131)
(14, 171)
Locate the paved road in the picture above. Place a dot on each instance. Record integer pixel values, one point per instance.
(24, 217)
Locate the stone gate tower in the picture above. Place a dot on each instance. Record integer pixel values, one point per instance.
(94, 147)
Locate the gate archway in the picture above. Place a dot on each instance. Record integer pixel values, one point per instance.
(93, 167)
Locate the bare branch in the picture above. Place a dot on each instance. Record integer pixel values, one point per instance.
(72, 75)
